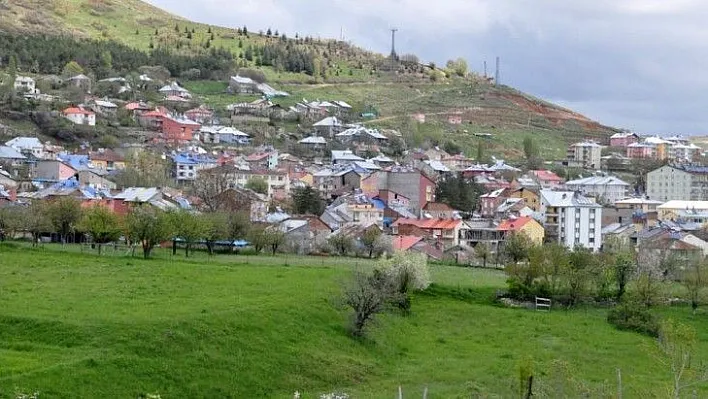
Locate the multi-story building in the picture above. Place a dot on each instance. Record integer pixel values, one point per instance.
(623, 139)
(571, 219)
(587, 153)
(678, 182)
(605, 189)
(410, 183)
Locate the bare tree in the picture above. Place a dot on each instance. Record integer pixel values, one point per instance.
(678, 342)
(368, 295)
(694, 278)
(209, 186)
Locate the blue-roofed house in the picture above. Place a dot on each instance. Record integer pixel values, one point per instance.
(187, 166)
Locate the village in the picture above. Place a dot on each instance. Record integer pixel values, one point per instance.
(363, 178)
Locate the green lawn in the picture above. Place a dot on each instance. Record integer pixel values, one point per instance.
(77, 325)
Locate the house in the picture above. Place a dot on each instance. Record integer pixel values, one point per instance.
(358, 209)
(176, 129)
(80, 116)
(410, 183)
(105, 107)
(447, 232)
(81, 81)
(52, 170)
(278, 180)
(531, 197)
(644, 211)
(241, 199)
(107, 159)
(678, 182)
(304, 234)
(201, 114)
(314, 142)
(524, 225)
(547, 179)
(328, 126)
(263, 159)
(623, 139)
(687, 211)
(345, 157)
(571, 219)
(243, 85)
(489, 202)
(95, 178)
(28, 146)
(25, 84)
(586, 153)
(174, 89)
(131, 197)
(458, 162)
(153, 119)
(439, 210)
(187, 166)
(454, 119)
(640, 151)
(137, 107)
(11, 156)
(360, 134)
(605, 189)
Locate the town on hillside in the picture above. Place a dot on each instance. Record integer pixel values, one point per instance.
(334, 179)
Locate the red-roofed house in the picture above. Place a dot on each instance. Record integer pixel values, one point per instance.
(137, 107)
(200, 114)
(438, 210)
(152, 119)
(526, 225)
(80, 116)
(446, 231)
(178, 130)
(416, 244)
(547, 179)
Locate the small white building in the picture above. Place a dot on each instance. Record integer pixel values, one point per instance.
(27, 145)
(605, 189)
(80, 116)
(25, 84)
(571, 219)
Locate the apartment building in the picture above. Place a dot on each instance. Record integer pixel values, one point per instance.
(605, 189)
(586, 153)
(678, 182)
(571, 219)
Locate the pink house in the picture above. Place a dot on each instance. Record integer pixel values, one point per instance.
(640, 151)
(623, 139)
(547, 179)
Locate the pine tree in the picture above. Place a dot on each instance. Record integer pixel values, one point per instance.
(240, 43)
(137, 32)
(245, 30)
(177, 28)
(209, 30)
(269, 32)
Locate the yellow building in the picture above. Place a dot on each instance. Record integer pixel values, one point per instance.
(527, 226)
(530, 197)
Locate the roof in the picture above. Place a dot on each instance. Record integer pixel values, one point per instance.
(231, 131)
(438, 207)
(381, 158)
(567, 199)
(679, 204)
(10, 153)
(637, 201)
(437, 166)
(24, 143)
(367, 165)
(174, 86)
(586, 144)
(623, 135)
(514, 224)
(345, 155)
(597, 181)
(106, 155)
(546, 175)
(342, 104)
(105, 104)
(136, 105)
(330, 121)
(76, 111)
(403, 243)
(432, 224)
(80, 76)
(313, 140)
(258, 156)
(243, 80)
(138, 194)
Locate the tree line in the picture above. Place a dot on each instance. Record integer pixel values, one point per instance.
(50, 54)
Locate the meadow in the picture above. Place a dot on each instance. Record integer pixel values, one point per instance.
(76, 325)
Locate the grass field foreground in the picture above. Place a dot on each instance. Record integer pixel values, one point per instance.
(77, 325)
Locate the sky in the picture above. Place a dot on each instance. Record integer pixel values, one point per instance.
(635, 64)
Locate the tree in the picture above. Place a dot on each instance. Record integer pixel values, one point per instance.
(695, 278)
(102, 225)
(149, 227)
(458, 192)
(217, 229)
(12, 68)
(532, 153)
(516, 247)
(409, 272)
(678, 343)
(257, 237)
(258, 185)
(624, 269)
(452, 148)
(144, 169)
(370, 239)
(72, 68)
(107, 61)
(341, 243)
(63, 214)
(209, 186)
(483, 252)
(34, 220)
(367, 295)
(580, 264)
(306, 200)
(274, 238)
(188, 227)
(238, 224)
(458, 66)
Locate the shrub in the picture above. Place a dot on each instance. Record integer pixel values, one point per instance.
(632, 316)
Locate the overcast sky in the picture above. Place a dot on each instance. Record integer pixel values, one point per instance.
(637, 64)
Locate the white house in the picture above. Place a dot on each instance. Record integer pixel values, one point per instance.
(345, 157)
(80, 116)
(174, 89)
(27, 145)
(571, 219)
(605, 189)
(25, 84)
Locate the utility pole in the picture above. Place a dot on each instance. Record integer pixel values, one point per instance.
(393, 43)
(485, 69)
(496, 76)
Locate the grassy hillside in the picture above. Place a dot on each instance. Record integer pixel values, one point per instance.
(346, 72)
(76, 325)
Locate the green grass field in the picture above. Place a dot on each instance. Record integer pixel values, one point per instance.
(77, 325)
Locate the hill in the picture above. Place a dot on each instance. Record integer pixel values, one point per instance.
(322, 69)
(76, 325)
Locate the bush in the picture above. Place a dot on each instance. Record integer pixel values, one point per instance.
(634, 317)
